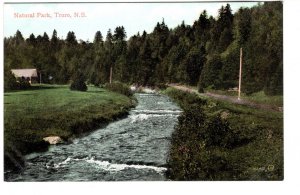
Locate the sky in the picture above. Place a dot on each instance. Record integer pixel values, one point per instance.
(135, 17)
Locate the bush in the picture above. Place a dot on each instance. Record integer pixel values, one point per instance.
(250, 87)
(185, 99)
(11, 83)
(203, 142)
(200, 89)
(199, 147)
(79, 86)
(119, 88)
(161, 86)
(24, 83)
(78, 83)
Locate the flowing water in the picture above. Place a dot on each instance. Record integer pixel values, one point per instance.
(134, 148)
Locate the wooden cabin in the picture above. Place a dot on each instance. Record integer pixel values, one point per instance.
(25, 73)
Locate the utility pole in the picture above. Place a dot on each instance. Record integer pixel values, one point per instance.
(110, 75)
(40, 77)
(240, 77)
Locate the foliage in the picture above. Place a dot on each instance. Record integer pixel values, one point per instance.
(11, 83)
(23, 83)
(184, 99)
(218, 141)
(119, 88)
(78, 82)
(205, 53)
(210, 75)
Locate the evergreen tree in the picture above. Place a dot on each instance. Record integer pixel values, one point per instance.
(194, 62)
(18, 38)
(210, 73)
(45, 38)
(242, 25)
(98, 38)
(207, 51)
(31, 40)
(201, 29)
(146, 70)
(54, 39)
(71, 38)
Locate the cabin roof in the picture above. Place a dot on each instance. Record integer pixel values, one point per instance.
(24, 72)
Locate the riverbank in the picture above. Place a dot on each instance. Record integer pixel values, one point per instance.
(257, 100)
(55, 110)
(219, 140)
(133, 148)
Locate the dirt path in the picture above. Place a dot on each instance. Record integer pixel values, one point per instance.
(230, 99)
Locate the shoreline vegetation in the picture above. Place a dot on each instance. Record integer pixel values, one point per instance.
(55, 110)
(217, 140)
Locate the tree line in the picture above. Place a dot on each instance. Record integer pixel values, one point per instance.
(205, 54)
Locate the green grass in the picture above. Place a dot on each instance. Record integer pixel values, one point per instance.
(265, 150)
(258, 97)
(55, 110)
(258, 156)
(261, 97)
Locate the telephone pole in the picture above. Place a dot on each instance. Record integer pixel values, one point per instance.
(40, 77)
(110, 75)
(240, 77)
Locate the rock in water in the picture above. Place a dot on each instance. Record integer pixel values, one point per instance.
(53, 140)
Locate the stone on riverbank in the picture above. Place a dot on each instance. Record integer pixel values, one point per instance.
(53, 140)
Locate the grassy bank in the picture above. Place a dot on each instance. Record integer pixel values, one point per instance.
(258, 97)
(55, 110)
(216, 140)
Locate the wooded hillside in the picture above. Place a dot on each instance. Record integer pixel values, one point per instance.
(204, 54)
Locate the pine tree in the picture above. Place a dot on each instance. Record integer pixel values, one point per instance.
(71, 38)
(54, 38)
(98, 38)
(31, 40)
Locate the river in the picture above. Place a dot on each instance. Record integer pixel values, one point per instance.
(131, 149)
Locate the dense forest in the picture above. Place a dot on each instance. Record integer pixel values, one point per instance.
(205, 54)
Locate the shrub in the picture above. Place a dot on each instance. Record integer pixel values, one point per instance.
(202, 143)
(119, 88)
(161, 85)
(200, 89)
(185, 99)
(78, 82)
(199, 147)
(11, 83)
(24, 83)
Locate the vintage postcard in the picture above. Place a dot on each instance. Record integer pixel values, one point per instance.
(143, 91)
